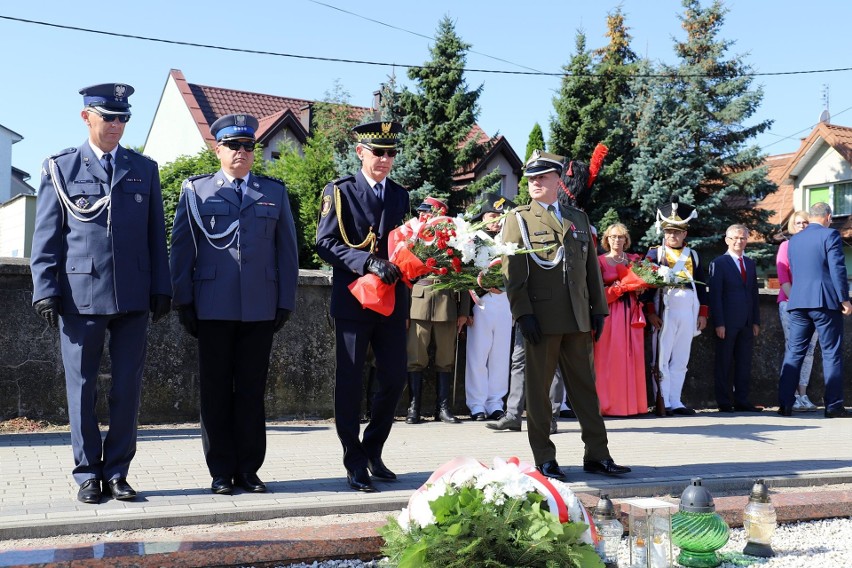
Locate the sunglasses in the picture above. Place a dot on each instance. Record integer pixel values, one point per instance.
(112, 117)
(379, 152)
(235, 146)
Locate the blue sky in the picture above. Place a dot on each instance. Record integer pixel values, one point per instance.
(45, 67)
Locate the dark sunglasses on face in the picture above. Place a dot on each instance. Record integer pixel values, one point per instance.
(112, 117)
(235, 146)
(379, 152)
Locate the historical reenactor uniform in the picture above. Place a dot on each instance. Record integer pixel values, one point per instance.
(680, 308)
(434, 314)
(99, 262)
(489, 337)
(235, 271)
(357, 213)
(557, 298)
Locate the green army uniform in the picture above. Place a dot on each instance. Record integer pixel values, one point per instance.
(563, 299)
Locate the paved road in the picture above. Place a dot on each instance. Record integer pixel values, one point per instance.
(305, 476)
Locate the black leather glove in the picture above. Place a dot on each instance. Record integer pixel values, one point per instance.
(530, 328)
(387, 271)
(160, 306)
(281, 317)
(50, 309)
(598, 322)
(188, 319)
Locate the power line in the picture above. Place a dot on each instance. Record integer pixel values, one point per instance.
(791, 136)
(393, 27)
(406, 66)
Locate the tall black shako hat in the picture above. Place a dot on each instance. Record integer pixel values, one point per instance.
(493, 203)
(578, 177)
(378, 134)
(234, 126)
(674, 215)
(108, 98)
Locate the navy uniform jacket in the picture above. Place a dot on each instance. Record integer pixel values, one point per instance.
(733, 303)
(360, 211)
(94, 268)
(819, 269)
(254, 276)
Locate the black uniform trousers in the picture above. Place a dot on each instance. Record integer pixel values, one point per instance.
(388, 340)
(734, 351)
(233, 363)
(82, 344)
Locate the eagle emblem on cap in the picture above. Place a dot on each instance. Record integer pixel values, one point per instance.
(119, 91)
(240, 120)
(386, 127)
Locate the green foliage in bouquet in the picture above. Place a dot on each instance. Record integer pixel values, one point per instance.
(472, 532)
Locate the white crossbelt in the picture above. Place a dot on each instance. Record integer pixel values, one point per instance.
(82, 215)
(192, 204)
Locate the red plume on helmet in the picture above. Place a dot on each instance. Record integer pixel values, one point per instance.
(577, 178)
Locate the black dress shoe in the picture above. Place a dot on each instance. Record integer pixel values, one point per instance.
(120, 489)
(785, 410)
(669, 412)
(359, 480)
(568, 413)
(478, 417)
(221, 485)
(379, 470)
(551, 469)
(606, 467)
(839, 412)
(683, 411)
(90, 492)
(250, 482)
(496, 415)
(726, 408)
(747, 408)
(508, 422)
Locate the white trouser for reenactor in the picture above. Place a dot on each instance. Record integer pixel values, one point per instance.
(489, 347)
(680, 320)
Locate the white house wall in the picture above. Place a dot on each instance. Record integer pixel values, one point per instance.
(510, 180)
(285, 136)
(827, 166)
(7, 138)
(17, 220)
(174, 132)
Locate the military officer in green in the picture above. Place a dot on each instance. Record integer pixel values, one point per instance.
(438, 315)
(557, 299)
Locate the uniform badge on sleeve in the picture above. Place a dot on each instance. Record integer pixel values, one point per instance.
(326, 205)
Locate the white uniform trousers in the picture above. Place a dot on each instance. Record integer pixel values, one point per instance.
(489, 348)
(680, 324)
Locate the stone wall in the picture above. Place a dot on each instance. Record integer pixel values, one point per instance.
(301, 375)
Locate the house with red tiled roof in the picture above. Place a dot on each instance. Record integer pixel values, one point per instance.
(181, 126)
(820, 170)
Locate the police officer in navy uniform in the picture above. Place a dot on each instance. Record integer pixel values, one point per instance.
(235, 270)
(356, 214)
(99, 262)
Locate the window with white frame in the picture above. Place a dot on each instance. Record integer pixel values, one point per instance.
(838, 195)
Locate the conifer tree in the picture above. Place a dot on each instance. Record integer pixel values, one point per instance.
(700, 145)
(534, 142)
(439, 117)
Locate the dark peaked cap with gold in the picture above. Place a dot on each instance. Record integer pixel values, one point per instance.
(378, 134)
(675, 215)
(542, 162)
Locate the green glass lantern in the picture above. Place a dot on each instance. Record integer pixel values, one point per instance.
(697, 529)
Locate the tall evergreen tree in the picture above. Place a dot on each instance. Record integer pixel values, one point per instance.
(715, 164)
(534, 142)
(439, 117)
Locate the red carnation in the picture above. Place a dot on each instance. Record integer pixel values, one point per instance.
(450, 252)
(457, 266)
(442, 271)
(431, 262)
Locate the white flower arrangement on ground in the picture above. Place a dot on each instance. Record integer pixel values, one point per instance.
(508, 515)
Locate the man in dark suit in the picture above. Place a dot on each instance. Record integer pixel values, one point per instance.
(235, 270)
(356, 215)
(557, 299)
(818, 300)
(99, 263)
(735, 309)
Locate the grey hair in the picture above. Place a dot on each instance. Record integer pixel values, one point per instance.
(820, 209)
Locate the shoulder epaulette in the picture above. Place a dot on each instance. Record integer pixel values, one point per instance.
(63, 152)
(270, 178)
(191, 179)
(522, 208)
(338, 181)
(132, 151)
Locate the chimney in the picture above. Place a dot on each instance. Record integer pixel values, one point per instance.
(306, 114)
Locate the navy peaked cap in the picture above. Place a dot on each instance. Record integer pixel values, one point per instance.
(108, 98)
(378, 134)
(233, 126)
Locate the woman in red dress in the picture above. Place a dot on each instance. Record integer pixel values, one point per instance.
(620, 352)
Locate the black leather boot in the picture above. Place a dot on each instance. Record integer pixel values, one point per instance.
(415, 387)
(443, 412)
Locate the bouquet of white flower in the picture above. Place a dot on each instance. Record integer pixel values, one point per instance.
(510, 515)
